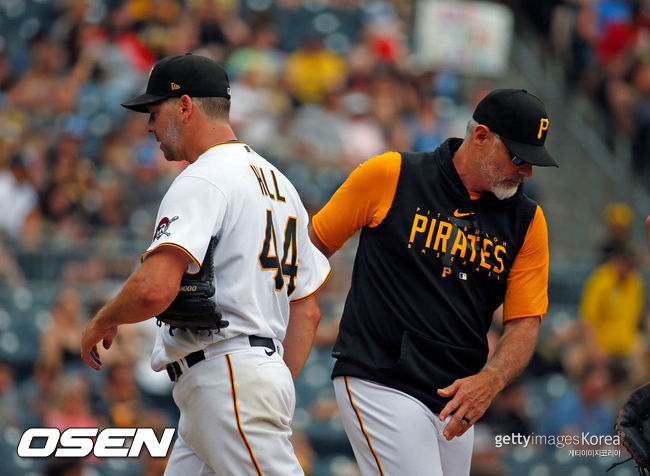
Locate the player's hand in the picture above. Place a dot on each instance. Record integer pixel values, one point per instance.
(472, 396)
(90, 337)
(647, 225)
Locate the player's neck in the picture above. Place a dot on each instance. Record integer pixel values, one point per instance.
(207, 136)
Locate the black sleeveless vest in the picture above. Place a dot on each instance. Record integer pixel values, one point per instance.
(427, 280)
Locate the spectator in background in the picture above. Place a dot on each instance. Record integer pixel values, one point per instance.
(17, 189)
(605, 48)
(395, 99)
(112, 209)
(71, 407)
(122, 396)
(68, 182)
(60, 339)
(583, 407)
(257, 106)
(7, 75)
(157, 12)
(143, 180)
(304, 451)
(362, 136)
(219, 24)
(260, 56)
(641, 121)
(48, 87)
(37, 393)
(259, 99)
(313, 71)
(618, 219)
(119, 35)
(612, 304)
(507, 414)
(11, 273)
(158, 421)
(317, 131)
(428, 130)
(10, 404)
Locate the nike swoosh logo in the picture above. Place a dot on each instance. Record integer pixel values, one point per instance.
(269, 352)
(458, 214)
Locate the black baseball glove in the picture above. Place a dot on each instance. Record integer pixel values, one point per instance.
(193, 307)
(633, 427)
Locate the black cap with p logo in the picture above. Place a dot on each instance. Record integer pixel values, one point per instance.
(521, 121)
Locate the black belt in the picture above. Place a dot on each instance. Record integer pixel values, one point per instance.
(174, 369)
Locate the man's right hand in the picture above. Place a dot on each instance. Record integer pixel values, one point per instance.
(90, 337)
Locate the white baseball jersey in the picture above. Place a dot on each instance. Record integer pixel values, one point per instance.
(263, 259)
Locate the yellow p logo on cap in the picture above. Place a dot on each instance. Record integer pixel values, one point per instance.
(543, 126)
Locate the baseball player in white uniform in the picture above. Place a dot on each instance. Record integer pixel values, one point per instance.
(233, 383)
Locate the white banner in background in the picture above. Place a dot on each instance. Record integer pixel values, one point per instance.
(472, 38)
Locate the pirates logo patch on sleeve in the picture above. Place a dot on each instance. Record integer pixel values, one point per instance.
(163, 226)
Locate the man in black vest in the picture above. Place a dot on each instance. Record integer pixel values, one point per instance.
(446, 238)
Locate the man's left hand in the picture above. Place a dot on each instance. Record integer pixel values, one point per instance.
(472, 396)
(89, 340)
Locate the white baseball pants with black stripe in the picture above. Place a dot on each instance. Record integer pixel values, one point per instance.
(394, 434)
(236, 408)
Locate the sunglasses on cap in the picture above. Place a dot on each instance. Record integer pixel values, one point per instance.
(517, 161)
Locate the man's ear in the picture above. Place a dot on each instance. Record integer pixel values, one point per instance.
(186, 105)
(481, 134)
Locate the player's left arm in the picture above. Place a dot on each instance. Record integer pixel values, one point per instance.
(525, 303)
(322, 247)
(362, 200)
(313, 269)
(147, 292)
(304, 317)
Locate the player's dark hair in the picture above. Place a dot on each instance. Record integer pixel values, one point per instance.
(214, 107)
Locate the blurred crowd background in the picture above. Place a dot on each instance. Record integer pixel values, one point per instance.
(317, 87)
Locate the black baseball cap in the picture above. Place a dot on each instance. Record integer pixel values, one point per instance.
(173, 76)
(521, 121)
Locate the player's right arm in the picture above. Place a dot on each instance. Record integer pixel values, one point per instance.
(363, 200)
(147, 292)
